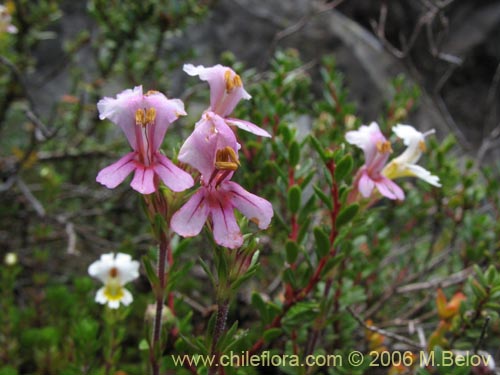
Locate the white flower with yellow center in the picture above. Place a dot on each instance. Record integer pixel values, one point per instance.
(114, 270)
(405, 165)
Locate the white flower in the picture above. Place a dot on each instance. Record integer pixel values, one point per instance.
(10, 259)
(405, 164)
(114, 270)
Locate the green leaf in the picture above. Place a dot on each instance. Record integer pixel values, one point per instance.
(319, 148)
(227, 337)
(322, 242)
(294, 154)
(260, 305)
(294, 199)
(160, 225)
(343, 168)
(300, 313)
(324, 198)
(346, 215)
(292, 251)
(272, 334)
(208, 272)
(150, 271)
(289, 277)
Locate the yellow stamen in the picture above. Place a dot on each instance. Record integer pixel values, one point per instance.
(237, 81)
(140, 117)
(229, 81)
(152, 92)
(255, 220)
(384, 147)
(233, 82)
(226, 159)
(422, 146)
(150, 115)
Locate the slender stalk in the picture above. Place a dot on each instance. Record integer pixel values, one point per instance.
(158, 206)
(220, 326)
(160, 293)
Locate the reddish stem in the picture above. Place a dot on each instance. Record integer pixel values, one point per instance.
(292, 296)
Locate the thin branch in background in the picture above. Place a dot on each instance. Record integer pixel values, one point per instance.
(35, 203)
(43, 132)
(490, 142)
(299, 25)
(383, 332)
(70, 231)
(20, 79)
(444, 282)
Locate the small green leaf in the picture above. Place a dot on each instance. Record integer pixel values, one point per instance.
(294, 199)
(322, 242)
(319, 148)
(208, 272)
(343, 168)
(150, 271)
(346, 215)
(292, 251)
(294, 154)
(324, 198)
(272, 334)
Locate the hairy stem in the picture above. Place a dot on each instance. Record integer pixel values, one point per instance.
(220, 326)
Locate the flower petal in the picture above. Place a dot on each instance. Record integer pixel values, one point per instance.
(225, 228)
(175, 178)
(121, 111)
(389, 189)
(366, 138)
(100, 297)
(190, 218)
(128, 269)
(255, 208)
(226, 89)
(100, 268)
(167, 111)
(210, 134)
(143, 180)
(424, 174)
(365, 185)
(127, 297)
(248, 126)
(114, 174)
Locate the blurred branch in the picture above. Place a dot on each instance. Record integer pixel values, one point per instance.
(35, 203)
(323, 7)
(444, 282)
(383, 332)
(20, 79)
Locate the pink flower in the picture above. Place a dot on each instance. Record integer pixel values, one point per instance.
(212, 149)
(144, 118)
(226, 90)
(377, 150)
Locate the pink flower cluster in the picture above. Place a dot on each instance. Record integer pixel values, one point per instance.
(376, 172)
(212, 149)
